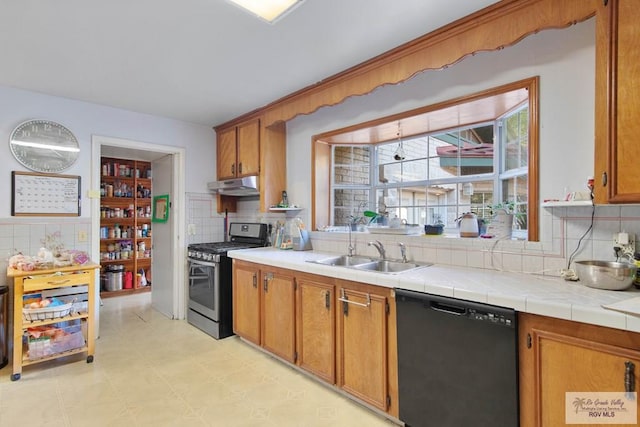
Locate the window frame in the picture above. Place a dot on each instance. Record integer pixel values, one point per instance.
(321, 148)
(375, 164)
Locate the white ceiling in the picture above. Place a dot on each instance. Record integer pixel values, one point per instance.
(201, 61)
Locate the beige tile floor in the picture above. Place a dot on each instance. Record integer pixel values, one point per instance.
(152, 371)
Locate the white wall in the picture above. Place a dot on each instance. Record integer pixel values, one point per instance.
(564, 60)
(86, 119)
(26, 234)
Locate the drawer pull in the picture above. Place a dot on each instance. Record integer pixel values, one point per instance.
(344, 299)
(58, 282)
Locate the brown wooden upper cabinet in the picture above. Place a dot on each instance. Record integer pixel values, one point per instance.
(617, 102)
(238, 150)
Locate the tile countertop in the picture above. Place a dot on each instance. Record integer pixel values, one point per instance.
(543, 295)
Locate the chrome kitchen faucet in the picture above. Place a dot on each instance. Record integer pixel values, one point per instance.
(403, 251)
(378, 245)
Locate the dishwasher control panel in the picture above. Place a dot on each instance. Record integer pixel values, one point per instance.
(491, 317)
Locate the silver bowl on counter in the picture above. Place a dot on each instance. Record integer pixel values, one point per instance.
(608, 275)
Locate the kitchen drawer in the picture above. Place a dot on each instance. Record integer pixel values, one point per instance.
(37, 283)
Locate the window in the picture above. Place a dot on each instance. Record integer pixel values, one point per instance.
(351, 180)
(434, 177)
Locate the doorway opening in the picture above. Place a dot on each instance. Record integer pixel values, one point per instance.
(168, 293)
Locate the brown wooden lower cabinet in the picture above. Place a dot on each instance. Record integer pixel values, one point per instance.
(300, 318)
(246, 301)
(316, 326)
(278, 313)
(345, 334)
(559, 356)
(362, 338)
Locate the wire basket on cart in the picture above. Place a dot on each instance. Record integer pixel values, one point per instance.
(44, 341)
(45, 313)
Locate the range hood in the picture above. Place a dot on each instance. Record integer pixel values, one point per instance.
(246, 186)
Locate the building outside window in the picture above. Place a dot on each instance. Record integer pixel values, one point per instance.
(434, 178)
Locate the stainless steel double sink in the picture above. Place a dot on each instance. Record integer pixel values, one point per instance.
(371, 264)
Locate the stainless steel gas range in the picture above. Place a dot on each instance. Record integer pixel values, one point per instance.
(210, 278)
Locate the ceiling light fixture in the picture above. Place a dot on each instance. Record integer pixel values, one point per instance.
(399, 154)
(268, 10)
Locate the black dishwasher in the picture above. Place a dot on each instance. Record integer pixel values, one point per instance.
(457, 362)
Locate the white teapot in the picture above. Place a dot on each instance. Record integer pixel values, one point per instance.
(397, 222)
(468, 225)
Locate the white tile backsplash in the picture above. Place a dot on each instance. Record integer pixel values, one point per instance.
(579, 249)
(605, 227)
(630, 211)
(475, 258)
(532, 264)
(512, 262)
(28, 235)
(553, 265)
(548, 256)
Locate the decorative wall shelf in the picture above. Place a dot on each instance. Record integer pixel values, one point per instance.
(565, 204)
(275, 209)
(289, 212)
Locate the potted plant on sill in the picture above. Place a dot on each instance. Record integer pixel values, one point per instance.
(436, 228)
(502, 217)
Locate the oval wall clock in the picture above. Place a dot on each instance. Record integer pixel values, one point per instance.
(44, 146)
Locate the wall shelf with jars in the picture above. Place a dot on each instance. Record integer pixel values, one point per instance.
(125, 226)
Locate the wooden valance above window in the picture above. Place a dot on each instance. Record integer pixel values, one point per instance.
(492, 28)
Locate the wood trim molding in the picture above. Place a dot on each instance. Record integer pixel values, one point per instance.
(321, 150)
(492, 28)
(533, 178)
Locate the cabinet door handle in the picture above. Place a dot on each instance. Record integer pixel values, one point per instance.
(265, 284)
(240, 167)
(255, 280)
(344, 299)
(233, 169)
(604, 179)
(629, 377)
(327, 299)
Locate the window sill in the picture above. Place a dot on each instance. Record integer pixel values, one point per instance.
(573, 203)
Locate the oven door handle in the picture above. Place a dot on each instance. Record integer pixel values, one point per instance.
(203, 263)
